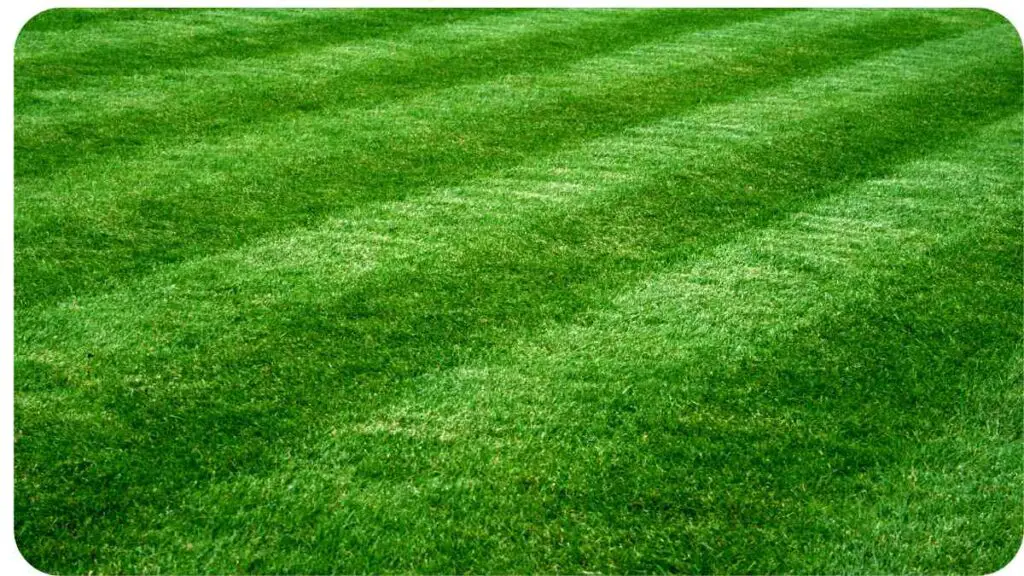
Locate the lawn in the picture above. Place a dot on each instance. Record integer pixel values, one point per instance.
(447, 291)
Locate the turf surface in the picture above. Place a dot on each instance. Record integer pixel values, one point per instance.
(519, 291)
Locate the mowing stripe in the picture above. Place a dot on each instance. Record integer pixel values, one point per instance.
(171, 108)
(225, 188)
(804, 273)
(739, 305)
(69, 48)
(89, 362)
(738, 301)
(725, 307)
(441, 225)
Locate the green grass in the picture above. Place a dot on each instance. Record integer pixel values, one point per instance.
(696, 291)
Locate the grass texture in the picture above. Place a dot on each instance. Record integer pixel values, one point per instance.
(699, 291)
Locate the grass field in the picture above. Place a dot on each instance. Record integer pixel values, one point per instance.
(317, 291)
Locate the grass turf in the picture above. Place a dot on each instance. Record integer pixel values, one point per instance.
(518, 291)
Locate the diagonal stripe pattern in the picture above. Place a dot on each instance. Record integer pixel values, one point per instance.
(509, 291)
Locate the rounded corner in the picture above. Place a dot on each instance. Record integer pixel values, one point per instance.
(28, 567)
(1006, 20)
(34, 17)
(1013, 566)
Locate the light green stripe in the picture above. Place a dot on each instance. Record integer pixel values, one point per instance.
(519, 410)
(331, 163)
(213, 79)
(442, 224)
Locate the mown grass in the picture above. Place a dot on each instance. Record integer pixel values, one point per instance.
(518, 291)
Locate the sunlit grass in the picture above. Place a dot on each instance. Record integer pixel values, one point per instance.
(518, 291)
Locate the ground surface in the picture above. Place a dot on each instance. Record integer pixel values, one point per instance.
(695, 291)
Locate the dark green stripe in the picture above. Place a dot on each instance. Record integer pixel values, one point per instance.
(341, 356)
(193, 112)
(72, 253)
(150, 48)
